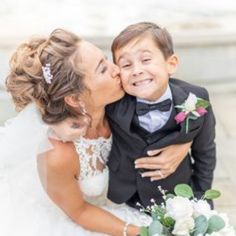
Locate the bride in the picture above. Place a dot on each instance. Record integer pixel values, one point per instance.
(53, 172)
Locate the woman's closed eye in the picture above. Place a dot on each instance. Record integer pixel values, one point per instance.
(104, 69)
(126, 65)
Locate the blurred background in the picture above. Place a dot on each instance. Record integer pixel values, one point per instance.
(204, 33)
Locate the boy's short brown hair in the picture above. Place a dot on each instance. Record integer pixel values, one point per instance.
(160, 36)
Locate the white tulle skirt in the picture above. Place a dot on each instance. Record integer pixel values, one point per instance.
(26, 210)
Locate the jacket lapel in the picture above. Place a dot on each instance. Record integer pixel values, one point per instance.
(124, 114)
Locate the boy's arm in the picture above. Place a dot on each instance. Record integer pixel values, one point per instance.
(203, 151)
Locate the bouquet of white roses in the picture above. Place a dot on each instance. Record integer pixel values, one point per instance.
(183, 215)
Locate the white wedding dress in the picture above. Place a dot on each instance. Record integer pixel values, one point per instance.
(25, 208)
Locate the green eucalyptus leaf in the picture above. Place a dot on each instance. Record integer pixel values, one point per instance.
(202, 103)
(183, 190)
(201, 225)
(212, 194)
(144, 231)
(215, 224)
(155, 228)
(168, 222)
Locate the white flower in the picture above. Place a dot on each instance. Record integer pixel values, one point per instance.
(190, 103)
(201, 207)
(179, 207)
(183, 226)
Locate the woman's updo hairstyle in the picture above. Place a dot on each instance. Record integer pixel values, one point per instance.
(27, 83)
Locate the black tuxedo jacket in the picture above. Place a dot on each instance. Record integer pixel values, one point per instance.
(130, 143)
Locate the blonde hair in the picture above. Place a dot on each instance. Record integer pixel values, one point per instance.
(27, 84)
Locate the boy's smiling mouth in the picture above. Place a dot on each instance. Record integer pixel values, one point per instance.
(142, 82)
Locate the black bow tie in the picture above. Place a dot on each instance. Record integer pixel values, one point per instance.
(143, 108)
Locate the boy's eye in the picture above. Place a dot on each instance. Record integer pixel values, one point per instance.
(146, 59)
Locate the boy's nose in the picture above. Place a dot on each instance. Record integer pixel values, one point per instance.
(136, 70)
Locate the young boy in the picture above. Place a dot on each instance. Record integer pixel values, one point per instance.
(145, 118)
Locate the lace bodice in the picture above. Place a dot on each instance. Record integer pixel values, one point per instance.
(93, 154)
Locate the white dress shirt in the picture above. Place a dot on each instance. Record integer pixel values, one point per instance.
(155, 120)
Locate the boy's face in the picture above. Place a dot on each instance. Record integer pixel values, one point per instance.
(144, 70)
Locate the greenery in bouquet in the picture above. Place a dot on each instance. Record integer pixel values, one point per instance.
(181, 214)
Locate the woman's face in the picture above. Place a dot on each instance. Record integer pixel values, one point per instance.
(102, 77)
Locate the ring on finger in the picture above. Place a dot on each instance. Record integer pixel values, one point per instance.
(160, 173)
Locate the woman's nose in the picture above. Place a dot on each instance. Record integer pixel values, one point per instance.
(116, 70)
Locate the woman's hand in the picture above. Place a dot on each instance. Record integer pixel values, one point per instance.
(163, 162)
(133, 230)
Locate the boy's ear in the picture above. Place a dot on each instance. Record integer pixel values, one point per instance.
(172, 64)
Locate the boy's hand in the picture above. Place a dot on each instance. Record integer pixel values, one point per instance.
(163, 162)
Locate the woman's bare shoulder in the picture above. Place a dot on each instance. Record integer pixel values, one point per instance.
(62, 158)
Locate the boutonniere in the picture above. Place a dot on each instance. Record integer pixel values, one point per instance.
(192, 108)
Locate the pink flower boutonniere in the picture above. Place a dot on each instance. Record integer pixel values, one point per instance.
(191, 109)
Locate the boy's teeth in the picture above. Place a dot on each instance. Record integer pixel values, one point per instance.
(142, 82)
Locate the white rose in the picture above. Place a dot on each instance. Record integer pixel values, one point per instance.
(179, 207)
(201, 207)
(183, 226)
(190, 103)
